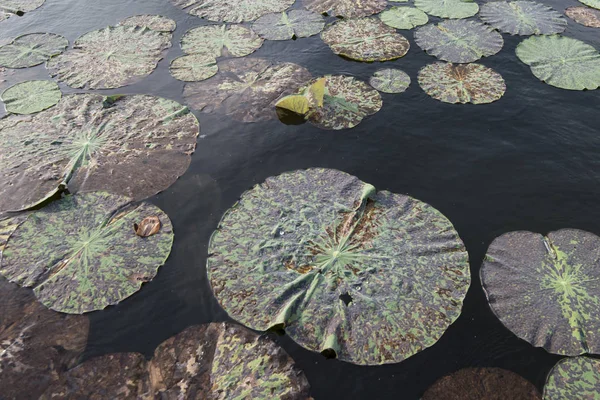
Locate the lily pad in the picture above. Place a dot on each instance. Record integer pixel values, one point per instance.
(130, 145)
(365, 39)
(584, 16)
(246, 88)
(193, 68)
(573, 378)
(459, 41)
(110, 58)
(346, 8)
(155, 22)
(17, 7)
(82, 253)
(221, 40)
(591, 3)
(561, 61)
(404, 17)
(369, 277)
(31, 96)
(545, 288)
(448, 8)
(522, 17)
(31, 49)
(293, 24)
(232, 10)
(8, 224)
(390, 80)
(463, 83)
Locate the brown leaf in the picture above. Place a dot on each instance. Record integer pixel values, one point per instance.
(148, 227)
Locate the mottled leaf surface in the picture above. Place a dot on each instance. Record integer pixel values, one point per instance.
(8, 224)
(522, 17)
(459, 41)
(574, 378)
(193, 68)
(370, 277)
(365, 39)
(463, 83)
(390, 80)
(31, 49)
(155, 22)
(404, 17)
(584, 16)
(221, 40)
(287, 25)
(232, 10)
(345, 8)
(592, 3)
(31, 96)
(448, 8)
(11, 7)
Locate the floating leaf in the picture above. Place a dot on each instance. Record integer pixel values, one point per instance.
(561, 61)
(31, 96)
(365, 39)
(148, 227)
(584, 16)
(129, 145)
(246, 88)
(404, 17)
(297, 103)
(459, 41)
(293, 24)
(110, 58)
(18, 7)
(155, 22)
(221, 40)
(370, 277)
(561, 270)
(193, 68)
(232, 10)
(8, 224)
(311, 97)
(346, 8)
(463, 83)
(573, 378)
(390, 80)
(592, 3)
(316, 92)
(448, 8)
(522, 17)
(31, 49)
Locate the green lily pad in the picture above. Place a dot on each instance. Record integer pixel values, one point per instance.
(221, 40)
(591, 3)
(365, 39)
(404, 17)
(448, 8)
(193, 68)
(522, 17)
(573, 378)
(110, 58)
(345, 8)
(459, 41)
(31, 49)
(293, 24)
(246, 88)
(155, 22)
(390, 80)
(82, 254)
(584, 16)
(561, 269)
(130, 145)
(371, 278)
(462, 83)
(18, 7)
(232, 10)
(31, 96)
(561, 61)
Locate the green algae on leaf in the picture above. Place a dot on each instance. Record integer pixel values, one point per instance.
(584, 16)
(459, 41)
(370, 277)
(221, 40)
(563, 62)
(17, 7)
(448, 8)
(545, 289)
(157, 23)
(31, 50)
(390, 80)
(193, 68)
(31, 96)
(232, 10)
(404, 17)
(574, 378)
(522, 17)
(290, 25)
(345, 8)
(591, 3)
(365, 39)
(461, 83)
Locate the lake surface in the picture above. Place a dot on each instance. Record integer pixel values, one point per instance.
(529, 161)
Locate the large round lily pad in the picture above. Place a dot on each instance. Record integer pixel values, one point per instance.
(368, 277)
(563, 62)
(31, 96)
(246, 88)
(110, 58)
(545, 289)
(365, 39)
(574, 378)
(459, 41)
(463, 83)
(232, 10)
(17, 7)
(293, 24)
(584, 16)
(31, 49)
(82, 252)
(448, 8)
(221, 40)
(592, 3)
(390, 80)
(155, 22)
(135, 146)
(346, 8)
(193, 68)
(522, 17)
(404, 17)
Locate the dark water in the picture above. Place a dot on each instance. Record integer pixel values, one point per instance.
(529, 161)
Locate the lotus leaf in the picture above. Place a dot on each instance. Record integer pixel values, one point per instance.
(561, 61)
(232, 10)
(574, 378)
(155, 22)
(293, 24)
(31, 96)
(390, 80)
(221, 40)
(591, 3)
(368, 277)
(522, 17)
(246, 88)
(193, 68)
(129, 145)
(463, 83)
(459, 41)
(584, 16)
(110, 58)
(448, 8)
(346, 8)
(18, 7)
(404, 17)
(31, 49)
(365, 39)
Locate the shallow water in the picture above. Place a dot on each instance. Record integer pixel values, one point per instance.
(528, 161)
